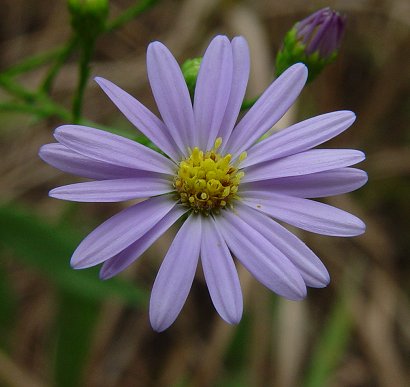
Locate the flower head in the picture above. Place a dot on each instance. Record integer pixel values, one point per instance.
(314, 41)
(228, 187)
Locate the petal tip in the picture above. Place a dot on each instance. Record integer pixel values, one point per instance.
(362, 228)
(75, 263)
(53, 194)
(298, 291)
(102, 82)
(156, 45)
(43, 151)
(300, 68)
(362, 155)
(231, 314)
(80, 263)
(104, 274)
(358, 227)
(365, 178)
(322, 281)
(239, 38)
(60, 131)
(221, 38)
(233, 319)
(158, 324)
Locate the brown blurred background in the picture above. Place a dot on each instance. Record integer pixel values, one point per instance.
(356, 332)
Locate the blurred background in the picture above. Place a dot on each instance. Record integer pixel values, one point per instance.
(60, 327)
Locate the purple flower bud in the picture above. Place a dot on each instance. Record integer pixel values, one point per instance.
(313, 41)
(322, 31)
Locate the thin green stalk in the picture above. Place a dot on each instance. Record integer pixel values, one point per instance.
(130, 14)
(84, 73)
(44, 111)
(33, 102)
(16, 90)
(64, 53)
(32, 62)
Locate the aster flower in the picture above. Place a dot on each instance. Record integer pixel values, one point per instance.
(213, 173)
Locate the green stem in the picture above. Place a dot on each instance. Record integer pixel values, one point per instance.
(35, 102)
(64, 53)
(15, 89)
(32, 62)
(84, 73)
(130, 14)
(44, 111)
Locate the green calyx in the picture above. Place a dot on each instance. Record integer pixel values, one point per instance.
(294, 51)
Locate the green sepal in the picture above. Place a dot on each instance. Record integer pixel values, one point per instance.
(294, 51)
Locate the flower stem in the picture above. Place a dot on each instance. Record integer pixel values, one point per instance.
(16, 90)
(32, 62)
(64, 53)
(84, 73)
(44, 111)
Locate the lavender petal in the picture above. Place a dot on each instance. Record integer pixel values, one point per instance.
(263, 260)
(220, 273)
(240, 76)
(172, 95)
(269, 108)
(65, 159)
(300, 137)
(212, 90)
(312, 270)
(142, 118)
(315, 185)
(305, 214)
(120, 231)
(308, 162)
(108, 147)
(117, 190)
(175, 276)
(126, 257)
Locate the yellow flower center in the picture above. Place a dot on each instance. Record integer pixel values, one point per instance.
(207, 182)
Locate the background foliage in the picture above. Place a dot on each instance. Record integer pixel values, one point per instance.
(60, 327)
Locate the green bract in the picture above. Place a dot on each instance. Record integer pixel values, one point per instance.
(294, 51)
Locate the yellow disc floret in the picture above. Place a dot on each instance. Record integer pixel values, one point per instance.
(208, 181)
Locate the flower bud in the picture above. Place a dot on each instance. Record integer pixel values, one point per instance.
(313, 41)
(88, 17)
(190, 70)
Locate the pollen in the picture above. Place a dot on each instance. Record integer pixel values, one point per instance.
(208, 181)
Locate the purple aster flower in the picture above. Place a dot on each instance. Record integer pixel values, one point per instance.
(228, 186)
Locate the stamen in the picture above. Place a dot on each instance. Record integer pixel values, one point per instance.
(207, 182)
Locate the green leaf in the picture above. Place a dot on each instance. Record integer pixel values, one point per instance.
(47, 249)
